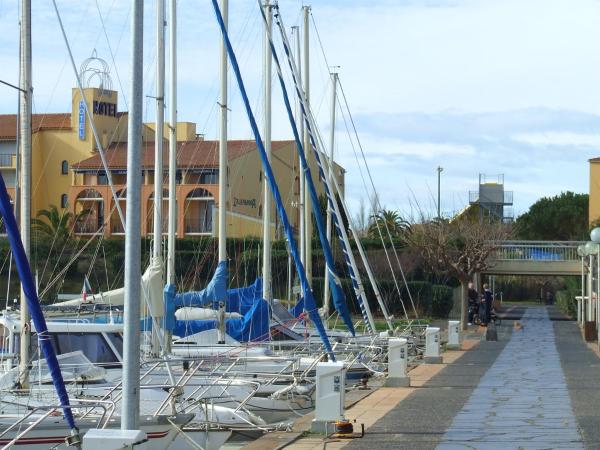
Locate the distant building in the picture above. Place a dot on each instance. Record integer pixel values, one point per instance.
(68, 172)
(594, 198)
(491, 201)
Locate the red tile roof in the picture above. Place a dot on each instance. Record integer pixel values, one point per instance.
(190, 154)
(57, 121)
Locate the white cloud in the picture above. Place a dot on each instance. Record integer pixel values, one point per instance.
(560, 139)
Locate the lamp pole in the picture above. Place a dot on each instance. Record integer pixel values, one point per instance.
(439, 173)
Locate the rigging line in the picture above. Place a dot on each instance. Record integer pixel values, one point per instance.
(310, 124)
(377, 225)
(309, 299)
(376, 199)
(384, 306)
(112, 55)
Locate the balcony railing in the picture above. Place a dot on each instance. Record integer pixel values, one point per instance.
(537, 251)
(8, 160)
(117, 228)
(86, 228)
(198, 226)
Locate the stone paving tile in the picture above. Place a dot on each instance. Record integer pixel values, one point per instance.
(420, 420)
(522, 401)
(581, 366)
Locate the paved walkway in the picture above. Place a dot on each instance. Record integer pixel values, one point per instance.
(522, 401)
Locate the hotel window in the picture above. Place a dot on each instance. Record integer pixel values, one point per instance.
(64, 200)
(64, 168)
(102, 178)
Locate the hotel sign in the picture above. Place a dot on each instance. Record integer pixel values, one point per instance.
(81, 120)
(105, 109)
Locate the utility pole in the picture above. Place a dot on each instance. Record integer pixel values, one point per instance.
(440, 169)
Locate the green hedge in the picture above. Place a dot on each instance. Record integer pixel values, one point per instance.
(565, 299)
(441, 301)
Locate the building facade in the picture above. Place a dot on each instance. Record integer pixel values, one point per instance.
(67, 172)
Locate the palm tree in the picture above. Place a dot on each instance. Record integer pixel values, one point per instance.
(388, 220)
(58, 225)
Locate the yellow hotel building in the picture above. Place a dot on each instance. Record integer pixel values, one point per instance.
(68, 171)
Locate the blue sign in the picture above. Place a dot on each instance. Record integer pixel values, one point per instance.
(81, 120)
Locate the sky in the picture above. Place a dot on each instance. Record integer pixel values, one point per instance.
(473, 86)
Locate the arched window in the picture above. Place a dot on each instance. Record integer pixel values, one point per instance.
(64, 200)
(64, 167)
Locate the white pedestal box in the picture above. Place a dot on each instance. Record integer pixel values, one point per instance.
(432, 346)
(114, 439)
(397, 363)
(331, 381)
(453, 335)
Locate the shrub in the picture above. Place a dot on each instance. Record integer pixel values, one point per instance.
(565, 299)
(441, 301)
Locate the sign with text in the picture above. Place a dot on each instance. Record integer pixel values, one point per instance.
(251, 202)
(105, 109)
(81, 120)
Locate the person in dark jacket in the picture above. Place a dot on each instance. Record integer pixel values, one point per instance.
(473, 297)
(488, 299)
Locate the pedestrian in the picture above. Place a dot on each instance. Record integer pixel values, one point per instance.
(488, 301)
(473, 297)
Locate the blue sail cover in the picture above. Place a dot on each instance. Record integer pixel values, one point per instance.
(252, 327)
(239, 298)
(247, 301)
(297, 309)
(33, 301)
(210, 296)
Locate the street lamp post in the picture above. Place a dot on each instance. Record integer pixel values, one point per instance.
(439, 172)
(581, 303)
(595, 236)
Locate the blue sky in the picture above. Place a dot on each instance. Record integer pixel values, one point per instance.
(472, 85)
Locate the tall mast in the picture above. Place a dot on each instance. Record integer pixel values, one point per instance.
(25, 181)
(172, 227)
(301, 188)
(330, 180)
(267, 293)
(160, 126)
(130, 414)
(223, 143)
(307, 208)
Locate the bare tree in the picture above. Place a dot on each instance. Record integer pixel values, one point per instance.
(361, 218)
(459, 248)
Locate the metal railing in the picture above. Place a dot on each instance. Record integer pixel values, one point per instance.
(8, 160)
(536, 251)
(86, 227)
(198, 225)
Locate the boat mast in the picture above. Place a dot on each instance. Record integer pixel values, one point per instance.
(267, 293)
(307, 208)
(130, 413)
(223, 167)
(172, 227)
(160, 126)
(25, 179)
(334, 76)
(301, 188)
